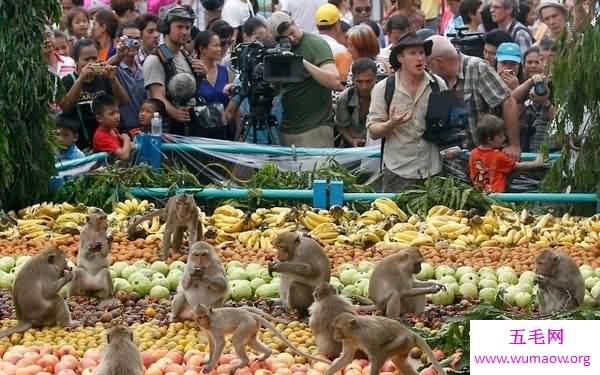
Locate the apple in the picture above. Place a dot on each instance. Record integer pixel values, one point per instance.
(237, 274)
(447, 279)
(453, 287)
(527, 277)
(523, 299)
(595, 290)
(591, 281)
(443, 297)
(427, 272)
(469, 278)
(160, 267)
(463, 270)
(349, 276)
(257, 282)
(365, 266)
(177, 265)
(507, 277)
(442, 271)
(488, 295)
(468, 290)
(586, 272)
(488, 283)
(159, 292)
(351, 290)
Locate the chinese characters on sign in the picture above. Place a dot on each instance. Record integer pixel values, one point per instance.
(536, 336)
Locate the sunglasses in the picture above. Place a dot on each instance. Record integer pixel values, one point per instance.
(362, 9)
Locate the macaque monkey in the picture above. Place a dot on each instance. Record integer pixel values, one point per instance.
(35, 294)
(244, 325)
(203, 282)
(393, 288)
(181, 214)
(381, 339)
(560, 284)
(327, 306)
(121, 356)
(303, 265)
(93, 260)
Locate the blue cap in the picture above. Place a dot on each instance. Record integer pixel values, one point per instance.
(509, 52)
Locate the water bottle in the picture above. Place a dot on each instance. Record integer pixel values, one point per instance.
(156, 124)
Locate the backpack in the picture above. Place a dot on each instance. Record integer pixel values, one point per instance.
(447, 117)
(517, 26)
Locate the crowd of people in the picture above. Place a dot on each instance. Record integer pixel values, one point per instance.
(402, 82)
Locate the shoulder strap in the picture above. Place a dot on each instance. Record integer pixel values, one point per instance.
(166, 56)
(390, 87)
(351, 90)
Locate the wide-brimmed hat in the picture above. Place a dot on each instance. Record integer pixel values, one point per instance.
(409, 40)
(551, 4)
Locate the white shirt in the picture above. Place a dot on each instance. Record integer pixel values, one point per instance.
(384, 53)
(335, 46)
(236, 12)
(303, 12)
(196, 5)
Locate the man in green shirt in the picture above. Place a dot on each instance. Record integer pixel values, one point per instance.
(307, 106)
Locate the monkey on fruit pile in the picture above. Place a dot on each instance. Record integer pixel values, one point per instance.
(303, 265)
(121, 356)
(180, 214)
(560, 284)
(35, 294)
(203, 282)
(327, 306)
(381, 339)
(244, 325)
(93, 260)
(393, 288)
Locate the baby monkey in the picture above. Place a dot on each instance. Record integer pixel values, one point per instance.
(560, 284)
(380, 338)
(244, 325)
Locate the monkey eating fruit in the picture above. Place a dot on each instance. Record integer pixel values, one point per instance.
(180, 214)
(92, 275)
(203, 282)
(303, 265)
(244, 325)
(560, 284)
(381, 339)
(393, 288)
(35, 294)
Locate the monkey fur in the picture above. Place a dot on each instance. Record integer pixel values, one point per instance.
(393, 288)
(35, 294)
(560, 284)
(244, 326)
(181, 214)
(120, 356)
(203, 282)
(381, 339)
(92, 275)
(303, 265)
(326, 307)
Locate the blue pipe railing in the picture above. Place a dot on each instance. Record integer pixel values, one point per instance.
(70, 164)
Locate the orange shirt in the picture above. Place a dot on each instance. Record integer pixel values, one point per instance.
(488, 169)
(343, 62)
(103, 54)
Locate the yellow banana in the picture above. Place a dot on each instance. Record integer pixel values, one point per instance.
(388, 207)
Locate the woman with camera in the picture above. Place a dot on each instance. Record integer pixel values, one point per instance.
(216, 86)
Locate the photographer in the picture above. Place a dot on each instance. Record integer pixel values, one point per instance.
(90, 81)
(169, 60)
(307, 117)
(482, 89)
(130, 74)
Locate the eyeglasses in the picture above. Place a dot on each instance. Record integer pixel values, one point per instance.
(362, 9)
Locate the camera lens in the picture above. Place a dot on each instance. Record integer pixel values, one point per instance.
(539, 89)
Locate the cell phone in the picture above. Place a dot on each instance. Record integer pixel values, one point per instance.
(510, 71)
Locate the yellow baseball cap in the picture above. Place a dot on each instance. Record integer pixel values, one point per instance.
(327, 15)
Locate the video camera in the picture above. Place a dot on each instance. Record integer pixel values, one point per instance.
(470, 44)
(260, 68)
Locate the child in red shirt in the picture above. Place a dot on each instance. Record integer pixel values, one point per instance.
(106, 137)
(488, 164)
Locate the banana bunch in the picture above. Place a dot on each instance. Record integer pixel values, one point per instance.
(326, 233)
(231, 220)
(311, 219)
(132, 207)
(274, 217)
(388, 208)
(73, 220)
(34, 229)
(371, 217)
(10, 233)
(153, 226)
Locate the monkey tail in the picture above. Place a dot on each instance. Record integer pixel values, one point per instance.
(265, 323)
(20, 327)
(421, 343)
(264, 314)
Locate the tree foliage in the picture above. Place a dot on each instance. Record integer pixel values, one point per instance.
(576, 90)
(26, 123)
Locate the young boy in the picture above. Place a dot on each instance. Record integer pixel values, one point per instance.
(67, 134)
(488, 164)
(106, 137)
(147, 110)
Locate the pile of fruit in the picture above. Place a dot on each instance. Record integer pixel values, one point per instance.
(384, 222)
